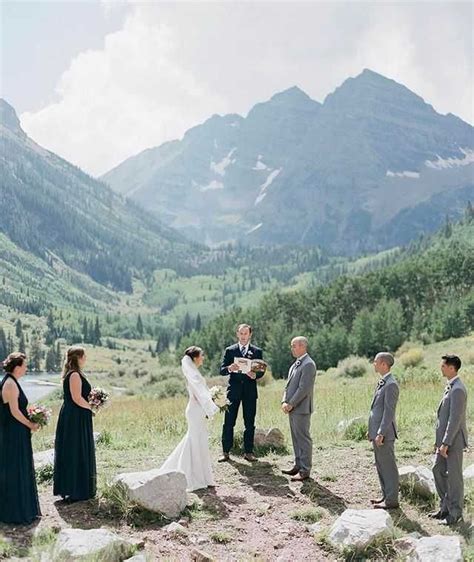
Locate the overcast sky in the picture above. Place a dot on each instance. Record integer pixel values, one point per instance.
(97, 82)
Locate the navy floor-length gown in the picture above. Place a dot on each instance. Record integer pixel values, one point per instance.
(74, 460)
(18, 493)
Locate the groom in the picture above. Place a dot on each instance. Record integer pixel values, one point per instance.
(242, 389)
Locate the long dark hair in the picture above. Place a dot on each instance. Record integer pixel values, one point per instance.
(13, 361)
(73, 354)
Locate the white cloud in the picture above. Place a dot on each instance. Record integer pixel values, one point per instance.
(172, 65)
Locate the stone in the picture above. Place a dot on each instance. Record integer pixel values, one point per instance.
(43, 458)
(200, 556)
(176, 530)
(359, 528)
(314, 528)
(469, 475)
(417, 479)
(79, 544)
(436, 549)
(269, 438)
(347, 425)
(161, 492)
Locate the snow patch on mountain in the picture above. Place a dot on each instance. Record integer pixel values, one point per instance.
(256, 227)
(443, 163)
(214, 184)
(405, 174)
(219, 167)
(259, 165)
(271, 176)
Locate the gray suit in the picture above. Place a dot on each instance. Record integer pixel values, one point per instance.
(451, 430)
(299, 393)
(382, 422)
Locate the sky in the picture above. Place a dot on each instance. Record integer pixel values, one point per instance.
(99, 81)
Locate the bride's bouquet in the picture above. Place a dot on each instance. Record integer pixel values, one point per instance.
(39, 414)
(219, 397)
(98, 399)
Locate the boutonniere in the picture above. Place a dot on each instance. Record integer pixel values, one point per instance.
(298, 363)
(447, 388)
(380, 383)
(249, 353)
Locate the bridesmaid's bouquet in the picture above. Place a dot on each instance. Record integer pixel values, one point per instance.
(98, 398)
(219, 397)
(39, 414)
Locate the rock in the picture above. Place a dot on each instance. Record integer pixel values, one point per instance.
(269, 438)
(417, 479)
(347, 425)
(141, 557)
(43, 458)
(200, 556)
(313, 528)
(469, 475)
(77, 544)
(437, 548)
(96, 436)
(175, 529)
(359, 528)
(159, 492)
(405, 545)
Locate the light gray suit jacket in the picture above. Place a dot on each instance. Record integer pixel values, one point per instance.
(382, 411)
(451, 428)
(299, 388)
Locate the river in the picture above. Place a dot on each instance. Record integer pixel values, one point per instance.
(37, 387)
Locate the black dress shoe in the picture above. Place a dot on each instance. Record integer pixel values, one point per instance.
(225, 458)
(291, 471)
(449, 521)
(250, 457)
(377, 501)
(438, 514)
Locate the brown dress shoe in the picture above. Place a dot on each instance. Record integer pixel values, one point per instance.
(300, 477)
(250, 457)
(225, 458)
(292, 471)
(385, 505)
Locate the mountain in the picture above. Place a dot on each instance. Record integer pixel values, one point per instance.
(373, 166)
(55, 211)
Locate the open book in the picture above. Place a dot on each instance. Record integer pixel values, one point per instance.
(245, 365)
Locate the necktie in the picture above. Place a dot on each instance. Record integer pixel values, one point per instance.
(242, 351)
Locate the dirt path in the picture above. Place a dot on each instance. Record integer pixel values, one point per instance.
(251, 510)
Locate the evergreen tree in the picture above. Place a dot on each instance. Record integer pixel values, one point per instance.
(35, 354)
(198, 323)
(140, 326)
(18, 329)
(97, 334)
(21, 344)
(3, 345)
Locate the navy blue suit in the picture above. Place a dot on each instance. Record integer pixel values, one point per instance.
(241, 389)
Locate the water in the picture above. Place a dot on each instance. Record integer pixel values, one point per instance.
(34, 387)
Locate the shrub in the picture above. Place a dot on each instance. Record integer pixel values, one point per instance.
(412, 357)
(356, 431)
(45, 474)
(307, 514)
(352, 367)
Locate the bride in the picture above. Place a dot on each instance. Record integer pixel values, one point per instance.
(192, 455)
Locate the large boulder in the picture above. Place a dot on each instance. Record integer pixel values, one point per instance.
(161, 492)
(436, 549)
(418, 480)
(269, 438)
(43, 458)
(359, 528)
(99, 544)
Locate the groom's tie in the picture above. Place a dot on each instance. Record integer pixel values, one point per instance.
(242, 351)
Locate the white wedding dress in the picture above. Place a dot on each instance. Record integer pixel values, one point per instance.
(192, 456)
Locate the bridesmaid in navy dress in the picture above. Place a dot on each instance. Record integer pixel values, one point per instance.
(74, 462)
(18, 494)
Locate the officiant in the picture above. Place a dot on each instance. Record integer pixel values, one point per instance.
(242, 389)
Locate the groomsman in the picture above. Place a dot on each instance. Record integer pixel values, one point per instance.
(242, 389)
(383, 431)
(451, 440)
(297, 402)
